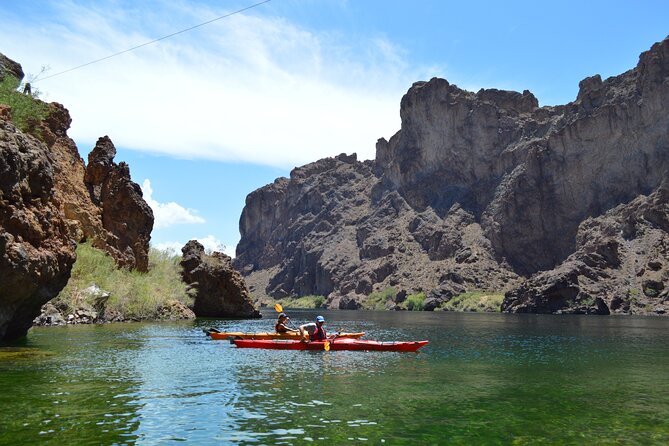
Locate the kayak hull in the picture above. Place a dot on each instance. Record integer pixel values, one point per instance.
(271, 335)
(337, 344)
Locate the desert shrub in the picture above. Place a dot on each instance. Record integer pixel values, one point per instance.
(312, 301)
(133, 295)
(27, 110)
(378, 299)
(414, 302)
(474, 301)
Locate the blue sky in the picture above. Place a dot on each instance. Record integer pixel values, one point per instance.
(206, 117)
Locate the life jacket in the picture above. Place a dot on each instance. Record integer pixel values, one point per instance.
(319, 334)
(280, 328)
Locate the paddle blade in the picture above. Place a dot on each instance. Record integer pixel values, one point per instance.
(278, 307)
(326, 346)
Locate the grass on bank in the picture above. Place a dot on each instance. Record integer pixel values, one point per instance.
(27, 110)
(474, 301)
(307, 302)
(385, 299)
(133, 295)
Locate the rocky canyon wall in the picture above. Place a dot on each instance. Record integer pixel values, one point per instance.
(475, 191)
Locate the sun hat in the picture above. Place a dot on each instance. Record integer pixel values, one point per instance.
(320, 319)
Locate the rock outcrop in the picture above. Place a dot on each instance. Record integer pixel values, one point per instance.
(476, 189)
(49, 202)
(99, 200)
(621, 265)
(126, 218)
(36, 253)
(220, 290)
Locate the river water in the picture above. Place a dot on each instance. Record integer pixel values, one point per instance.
(482, 379)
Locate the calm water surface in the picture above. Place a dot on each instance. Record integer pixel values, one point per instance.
(483, 379)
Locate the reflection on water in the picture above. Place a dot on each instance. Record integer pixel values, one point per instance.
(483, 379)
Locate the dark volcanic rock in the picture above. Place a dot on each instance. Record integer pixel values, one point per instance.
(220, 290)
(621, 265)
(10, 68)
(480, 186)
(334, 229)
(36, 254)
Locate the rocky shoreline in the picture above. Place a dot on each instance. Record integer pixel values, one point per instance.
(53, 315)
(51, 201)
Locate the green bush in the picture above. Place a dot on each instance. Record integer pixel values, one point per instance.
(474, 301)
(133, 295)
(414, 302)
(27, 111)
(311, 301)
(378, 299)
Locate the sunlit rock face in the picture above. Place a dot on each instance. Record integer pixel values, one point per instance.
(36, 253)
(476, 191)
(49, 202)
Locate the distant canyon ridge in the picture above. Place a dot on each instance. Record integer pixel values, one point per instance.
(564, 208)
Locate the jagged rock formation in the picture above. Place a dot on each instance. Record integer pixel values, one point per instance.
(99, 200)
(475, 190)
(48, 202)
(36, 253)
(126, 218)
(621, 265)
(220, 289)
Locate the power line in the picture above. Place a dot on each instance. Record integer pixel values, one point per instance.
(154, 41)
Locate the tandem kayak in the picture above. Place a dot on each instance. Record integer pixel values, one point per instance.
(337, 344)
(270, 335)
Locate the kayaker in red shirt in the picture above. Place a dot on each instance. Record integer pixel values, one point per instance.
(315, 330)
(281, 325)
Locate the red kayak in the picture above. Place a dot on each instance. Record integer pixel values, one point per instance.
(337, 344)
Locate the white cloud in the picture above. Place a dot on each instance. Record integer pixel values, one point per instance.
(245, 88)
(210, 243)
(168, 214)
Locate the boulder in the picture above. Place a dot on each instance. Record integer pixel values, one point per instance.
(220, 290)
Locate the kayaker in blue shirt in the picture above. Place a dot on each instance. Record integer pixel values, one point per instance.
(281, 324)
(315, 330)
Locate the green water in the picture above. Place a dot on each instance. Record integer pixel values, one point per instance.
(483, 379)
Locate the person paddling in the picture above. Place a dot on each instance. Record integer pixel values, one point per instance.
(281, 325)
(315, 330)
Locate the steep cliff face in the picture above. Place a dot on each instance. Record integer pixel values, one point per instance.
(48, 204)
(621, 265)
(36, 253)
(475, 189)
(220, 290)
(335, 229)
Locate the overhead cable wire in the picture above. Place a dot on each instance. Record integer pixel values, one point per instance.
(154, 41)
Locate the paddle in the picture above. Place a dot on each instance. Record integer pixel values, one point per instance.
(210, 330)
(326, 344)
